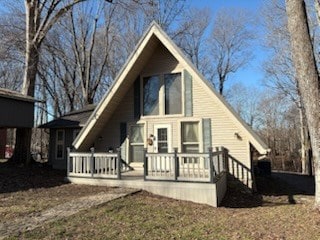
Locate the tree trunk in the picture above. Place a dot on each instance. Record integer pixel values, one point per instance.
(30, 71)
(307, 76)
(23, 135)
(22, 154)
(304, 149)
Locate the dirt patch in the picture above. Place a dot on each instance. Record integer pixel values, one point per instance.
(58, 212)
(25, 191)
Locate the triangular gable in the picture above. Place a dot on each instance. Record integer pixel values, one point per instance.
(123, 81)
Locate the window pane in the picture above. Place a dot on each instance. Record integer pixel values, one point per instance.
(173, 93)
(151, 95)
(162, 134)
(137, 153)
(162, 147)
(137, 134)
(190, 132)
(162, 140)
(191, 148)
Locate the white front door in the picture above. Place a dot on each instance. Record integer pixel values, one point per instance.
(162, 140)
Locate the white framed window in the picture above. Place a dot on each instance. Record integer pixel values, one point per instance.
(190, 137)
(173, 93)
(162, 94)
(137, 142)
(151, 87)
(60, 139)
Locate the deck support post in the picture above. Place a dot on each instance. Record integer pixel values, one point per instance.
(68, 161)
(119, 163)
(91, 161)
(176, 164)
(145, 164)
(211, 165)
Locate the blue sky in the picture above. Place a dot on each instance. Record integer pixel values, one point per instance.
(252, 74)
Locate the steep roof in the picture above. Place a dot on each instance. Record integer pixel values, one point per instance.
(74, 119)
(144, 49)
(15, 95)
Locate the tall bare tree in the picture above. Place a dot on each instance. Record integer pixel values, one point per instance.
(230, 43)
(307, 77)
(190, 36)
(41, 16)
(279, 69)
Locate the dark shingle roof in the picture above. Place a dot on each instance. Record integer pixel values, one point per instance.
(73, 119)
(15, 95)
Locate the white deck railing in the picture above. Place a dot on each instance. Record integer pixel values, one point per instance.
(196, 167)
(191, 167)
(97, 165)
(161, 166)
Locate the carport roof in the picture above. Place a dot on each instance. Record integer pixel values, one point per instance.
(6, 93)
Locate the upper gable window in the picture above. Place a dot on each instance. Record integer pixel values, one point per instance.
(172, 84)
(162, 94)
(151, 86)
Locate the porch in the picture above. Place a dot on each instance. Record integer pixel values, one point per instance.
(197, 177)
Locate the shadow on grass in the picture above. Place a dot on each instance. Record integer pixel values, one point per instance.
(274, 190)
(14, 179)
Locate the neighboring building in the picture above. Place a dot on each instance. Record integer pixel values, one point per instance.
(160, 103)
(63, 131)
(17, 111)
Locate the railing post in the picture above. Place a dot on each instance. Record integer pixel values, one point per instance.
(176, 164)
(145, 164)
(119, 163)
(211, 170)
(225, 159)
(68, 161)
(92, 161)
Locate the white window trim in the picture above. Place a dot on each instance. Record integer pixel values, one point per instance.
(187, 120)
(144, 133)
(161, 95)
(60, 142)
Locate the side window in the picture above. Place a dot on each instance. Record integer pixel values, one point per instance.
(60, 144)
(190, 137)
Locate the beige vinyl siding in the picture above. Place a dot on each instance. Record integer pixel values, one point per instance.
(110, 134)
(161, 62)
(223, 128)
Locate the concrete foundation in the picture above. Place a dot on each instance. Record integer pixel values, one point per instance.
(205, 193)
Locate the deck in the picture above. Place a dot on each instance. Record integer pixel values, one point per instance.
(196, 177)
